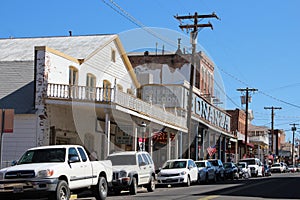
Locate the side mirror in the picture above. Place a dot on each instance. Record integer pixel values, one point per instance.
(74, 159)
(142, 164)
(14, 162)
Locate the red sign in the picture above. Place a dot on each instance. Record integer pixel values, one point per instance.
(7, 120)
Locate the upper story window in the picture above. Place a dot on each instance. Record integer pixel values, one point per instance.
(113, 55)
(129, 91)
(120, 87)
(73, 76)
(106, 90)
(91, 86)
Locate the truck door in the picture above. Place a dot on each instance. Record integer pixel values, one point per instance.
(87, 166)
(76, 169)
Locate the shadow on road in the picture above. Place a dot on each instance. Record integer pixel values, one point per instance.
(272, 188)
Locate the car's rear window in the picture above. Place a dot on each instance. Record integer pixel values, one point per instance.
(214, 162)
(200, 164)
(122, 159)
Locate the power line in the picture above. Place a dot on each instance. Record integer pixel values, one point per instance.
(117, 8)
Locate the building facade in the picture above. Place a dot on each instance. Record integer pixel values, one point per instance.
(86, 90)
(164, 82)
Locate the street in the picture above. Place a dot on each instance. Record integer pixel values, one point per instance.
(278, 186)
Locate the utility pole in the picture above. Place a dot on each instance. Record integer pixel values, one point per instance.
(193, 35)
(246, 111)
(272, 125)
(293, 129)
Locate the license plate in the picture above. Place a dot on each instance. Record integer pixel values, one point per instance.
(18, 189)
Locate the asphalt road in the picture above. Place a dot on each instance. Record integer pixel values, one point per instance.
(278, 186)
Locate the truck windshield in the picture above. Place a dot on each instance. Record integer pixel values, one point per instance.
(122, 159)
(43, 156)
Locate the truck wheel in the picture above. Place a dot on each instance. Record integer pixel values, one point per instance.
(133, 186)
(151, 185)
(101, 189)
(62, 191)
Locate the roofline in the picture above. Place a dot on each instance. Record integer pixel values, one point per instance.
(58, 53)
(127, 63)
(12, 38)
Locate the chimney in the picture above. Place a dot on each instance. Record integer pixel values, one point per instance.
(178, 51)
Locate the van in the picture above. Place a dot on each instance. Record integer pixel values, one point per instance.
(255, 165)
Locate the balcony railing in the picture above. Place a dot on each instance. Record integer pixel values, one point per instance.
(111, 95)
(75, 92)
(259, 139)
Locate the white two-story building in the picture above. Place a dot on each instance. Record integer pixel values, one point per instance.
(79, 90)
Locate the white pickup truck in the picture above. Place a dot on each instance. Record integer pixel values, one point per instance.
(56, 171)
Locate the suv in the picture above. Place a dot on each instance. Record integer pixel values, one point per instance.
(255, 165)
(132, 169)
(219, 168)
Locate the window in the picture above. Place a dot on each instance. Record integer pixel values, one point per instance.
(146, 159)
(106, 90)
(140, 159)
(72, 153)
(149, 158)
(129, 91)
(91, 86)
(73, 82)
(113, 55)
(120, 87)
(82, 154)
(73, 76)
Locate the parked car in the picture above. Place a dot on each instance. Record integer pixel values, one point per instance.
(219, 168)
(132, 169)
(298, 167)
(292, 168)
(206, 171)
(231, 171)
(277, 168)
(178, 171)
(285, 167)
(267, 170)
(245, 171)
(56, 171)
(255, 165)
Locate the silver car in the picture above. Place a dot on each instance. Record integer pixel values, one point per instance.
(206, 172)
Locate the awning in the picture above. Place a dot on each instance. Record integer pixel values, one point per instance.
(248, 144)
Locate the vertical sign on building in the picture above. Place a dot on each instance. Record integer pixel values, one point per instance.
(7, 120)
(6, 126)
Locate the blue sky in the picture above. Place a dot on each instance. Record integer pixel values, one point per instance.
(254, 45)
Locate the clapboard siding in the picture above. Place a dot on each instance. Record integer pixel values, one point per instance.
(23, 137)
(101, 65)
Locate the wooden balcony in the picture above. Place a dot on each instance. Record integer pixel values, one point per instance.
(112, 95)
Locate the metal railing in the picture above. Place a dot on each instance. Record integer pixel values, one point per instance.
(98, 94)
